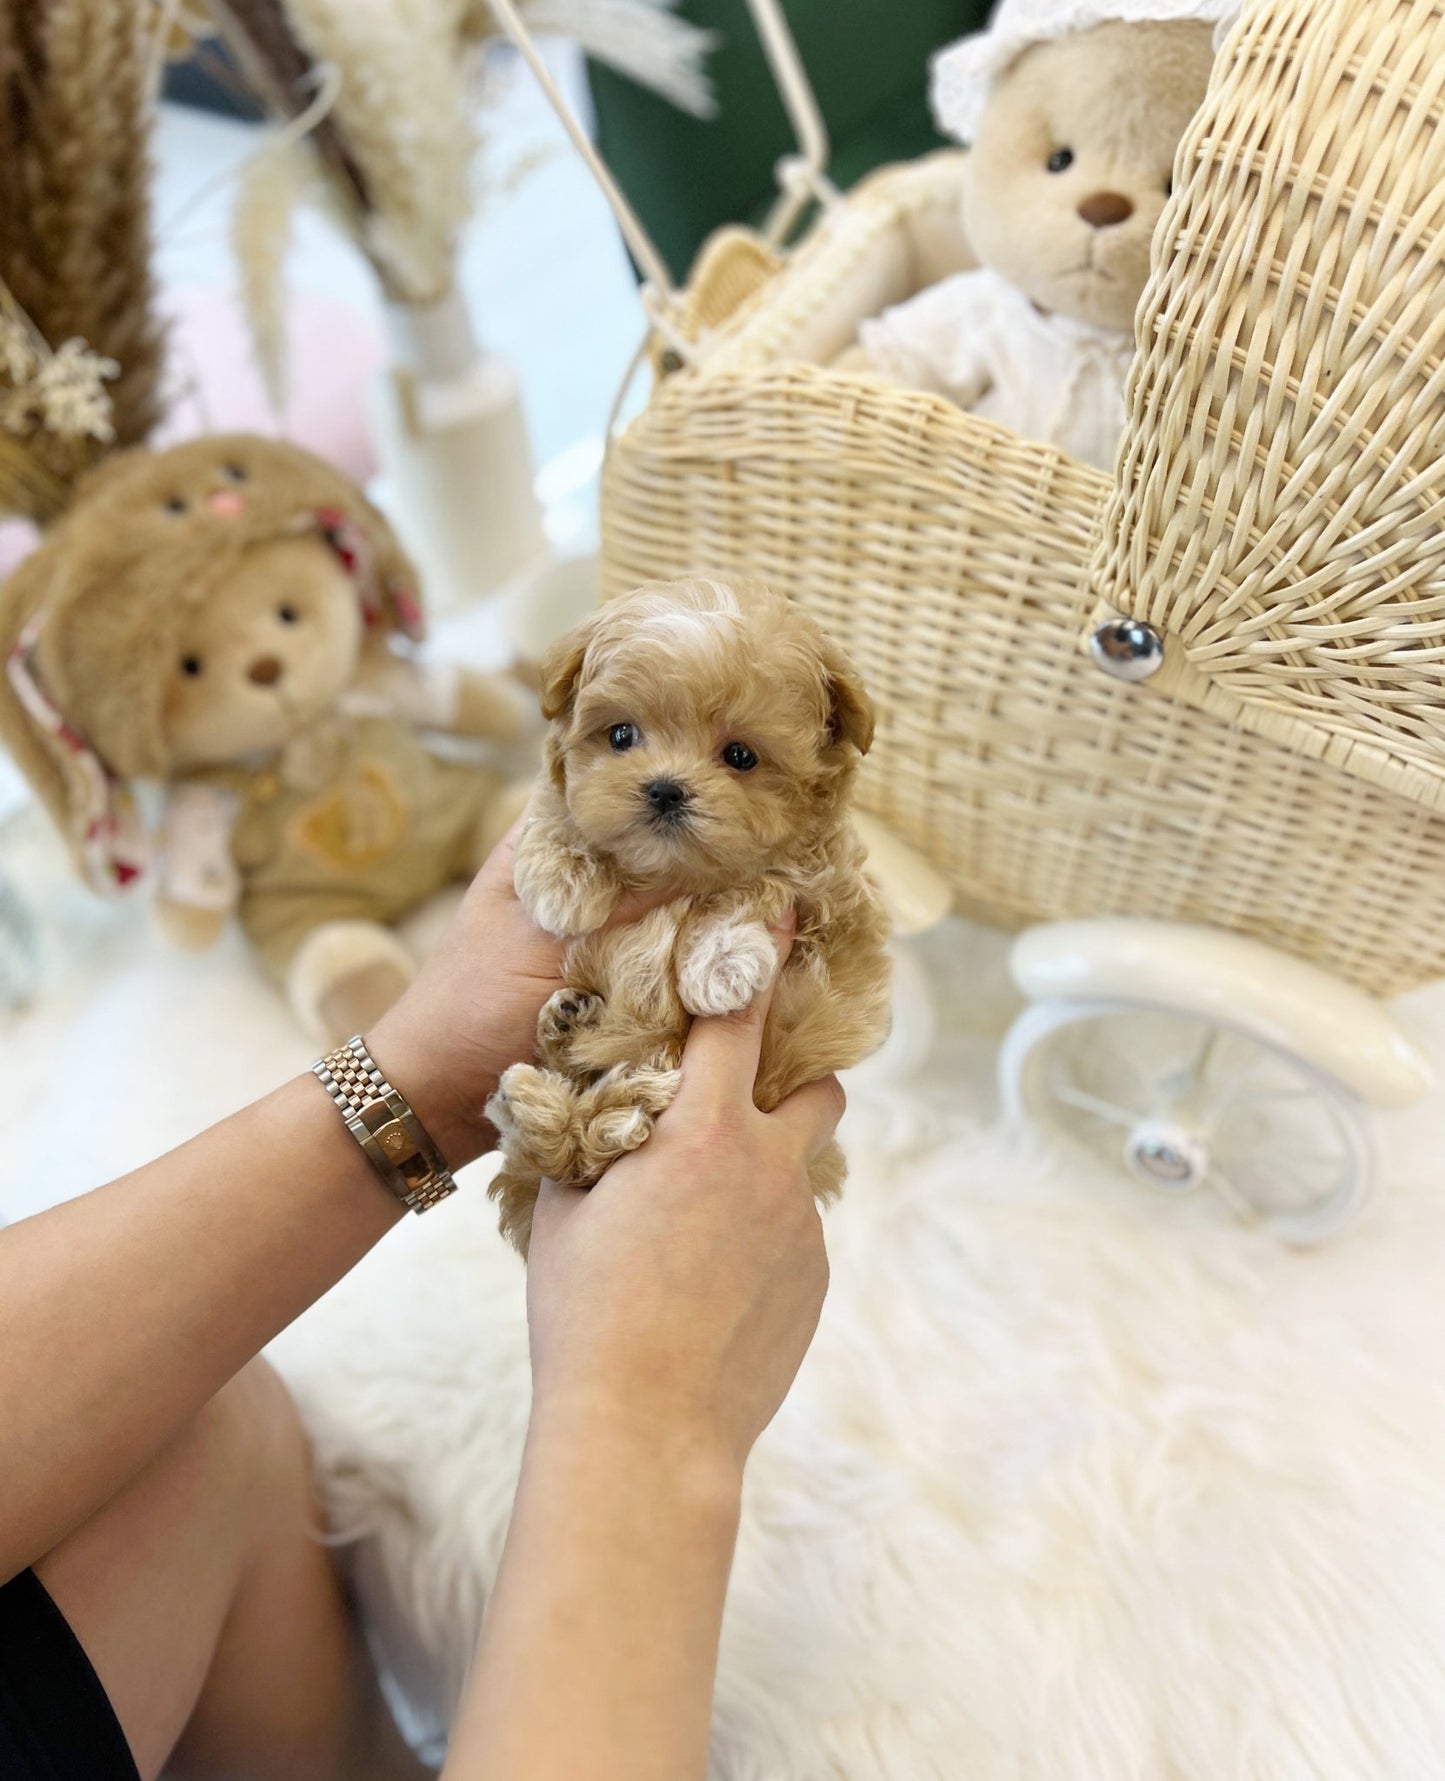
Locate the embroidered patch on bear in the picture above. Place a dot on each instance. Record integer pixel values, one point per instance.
(354, 824)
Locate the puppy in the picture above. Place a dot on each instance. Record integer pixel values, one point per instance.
(704, 739)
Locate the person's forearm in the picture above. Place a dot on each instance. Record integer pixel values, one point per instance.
(123, 1311)
(600, 1645)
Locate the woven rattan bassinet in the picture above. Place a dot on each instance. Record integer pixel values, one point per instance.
(1277, 516)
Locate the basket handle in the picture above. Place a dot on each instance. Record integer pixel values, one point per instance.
(802, 177)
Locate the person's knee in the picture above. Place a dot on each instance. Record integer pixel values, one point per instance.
(246, 1457)
(250, 1446)
(150, 1583)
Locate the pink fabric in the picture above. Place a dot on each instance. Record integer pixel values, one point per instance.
(335, 351)
(17, 540)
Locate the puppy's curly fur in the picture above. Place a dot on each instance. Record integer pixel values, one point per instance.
(704, 740)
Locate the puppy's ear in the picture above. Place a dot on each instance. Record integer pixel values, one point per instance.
(561, 666)
(852, 709)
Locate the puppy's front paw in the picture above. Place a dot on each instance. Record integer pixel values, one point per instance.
(725, 966)
(564, 891)
(564, 1015)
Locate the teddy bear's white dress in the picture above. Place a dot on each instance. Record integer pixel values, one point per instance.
(978, 340)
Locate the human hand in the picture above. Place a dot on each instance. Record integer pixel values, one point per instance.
(472, 1008)
(678, 1296)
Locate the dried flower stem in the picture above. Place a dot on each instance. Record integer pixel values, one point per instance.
(74, 233)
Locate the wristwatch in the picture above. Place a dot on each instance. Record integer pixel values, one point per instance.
(383, 1124)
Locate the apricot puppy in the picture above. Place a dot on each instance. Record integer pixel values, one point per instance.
(704, 739)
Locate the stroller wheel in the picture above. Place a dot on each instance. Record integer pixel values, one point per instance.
(1196, 1058)
(1185, 1105)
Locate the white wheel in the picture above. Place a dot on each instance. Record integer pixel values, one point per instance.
(1185, 1103)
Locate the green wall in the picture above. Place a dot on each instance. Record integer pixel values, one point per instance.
(868, 63)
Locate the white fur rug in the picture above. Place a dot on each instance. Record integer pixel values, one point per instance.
(1075, 1485)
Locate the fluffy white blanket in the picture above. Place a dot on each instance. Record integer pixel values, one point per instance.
(1075, 1485)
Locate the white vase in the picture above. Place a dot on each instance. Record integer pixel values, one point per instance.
(456, 463)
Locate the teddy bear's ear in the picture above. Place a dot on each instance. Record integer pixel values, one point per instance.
(115, 467)
(26, 741)
(852, 709)
(92, 808)
(561, 666)
(395, 572)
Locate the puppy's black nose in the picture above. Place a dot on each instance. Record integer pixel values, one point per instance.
(665, 797)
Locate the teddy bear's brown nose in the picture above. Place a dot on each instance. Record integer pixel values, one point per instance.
(1101, 210)
(265, 671)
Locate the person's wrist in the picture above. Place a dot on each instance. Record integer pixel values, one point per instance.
(423, 1071)
(685, 1454)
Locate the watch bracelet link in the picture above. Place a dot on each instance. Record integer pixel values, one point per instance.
(378, 1116)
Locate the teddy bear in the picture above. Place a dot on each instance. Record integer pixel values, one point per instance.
(226, 617)
(1074, 110)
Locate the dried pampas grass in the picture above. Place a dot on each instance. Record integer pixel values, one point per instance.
(639, 38)
(395, 142)
(389, 96)
(404, 109)
(74, 227)
(273, 185)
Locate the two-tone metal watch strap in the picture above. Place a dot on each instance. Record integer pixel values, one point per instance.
(383, 1124)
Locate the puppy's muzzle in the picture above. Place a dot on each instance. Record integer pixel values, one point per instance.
(666, 801)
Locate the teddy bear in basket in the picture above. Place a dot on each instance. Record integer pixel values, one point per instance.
(1074, 110)
(220, 617)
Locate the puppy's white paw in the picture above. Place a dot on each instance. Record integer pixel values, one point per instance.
(565, 893)
(725, 967)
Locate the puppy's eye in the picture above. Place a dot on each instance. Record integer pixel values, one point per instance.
(624, 736)
(233, 472)
(1060, 160)
(191, 665)
(739, 757)
(288, 614)
(178, 504)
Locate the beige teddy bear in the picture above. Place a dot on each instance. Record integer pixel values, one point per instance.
(1075, 110)
(220, 617)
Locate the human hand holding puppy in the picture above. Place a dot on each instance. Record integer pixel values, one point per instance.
(669, 1309)
(680, 1293)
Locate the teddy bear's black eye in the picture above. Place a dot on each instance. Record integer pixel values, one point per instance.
(178, 504)
(191, 665)
(288, 615)
(624, 736)
(739, 757)
(1060, 160)
(233, 472)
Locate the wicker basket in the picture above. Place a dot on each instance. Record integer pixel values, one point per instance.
(1277, 516)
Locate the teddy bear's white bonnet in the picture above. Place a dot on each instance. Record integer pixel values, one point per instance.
(964, 73)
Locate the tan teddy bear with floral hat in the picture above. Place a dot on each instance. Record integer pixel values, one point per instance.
(221, 617)
(1074, 110)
